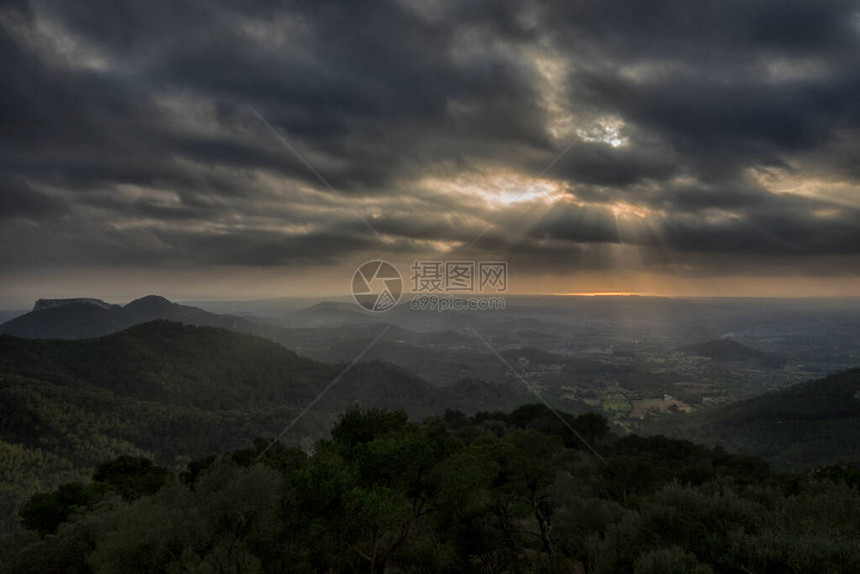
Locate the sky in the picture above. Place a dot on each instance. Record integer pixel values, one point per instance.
(225, 149)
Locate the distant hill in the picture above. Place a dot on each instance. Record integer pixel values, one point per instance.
(805, 426)
(331, 332)
(9, 315)
(728, 351)
(84, 317)
(167, 390)
(441, 358)
(330, 313)
(206, 369)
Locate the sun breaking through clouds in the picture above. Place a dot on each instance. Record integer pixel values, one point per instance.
(693, 148)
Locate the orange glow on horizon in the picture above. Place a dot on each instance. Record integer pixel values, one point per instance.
(605, 294)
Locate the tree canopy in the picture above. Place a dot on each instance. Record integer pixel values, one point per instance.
(495, 492)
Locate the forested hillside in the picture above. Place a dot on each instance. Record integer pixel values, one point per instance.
(492, 493)
(171, 391)
(801, 428)
(729, 351)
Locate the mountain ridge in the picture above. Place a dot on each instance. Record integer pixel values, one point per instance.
(169, 390)
(800, 428)
(728, 350)
(44, 304)
(84, 317)
(212, 369)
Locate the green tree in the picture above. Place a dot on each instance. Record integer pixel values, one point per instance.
(356, 426)
(671, 560)
(131, 477)
(44, 512)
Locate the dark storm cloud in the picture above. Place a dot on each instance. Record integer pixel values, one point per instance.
(128, 132)
(726, 84)
(604, 165)
(18, 198)
(741, 124)
(707, 29)
(262, 248)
